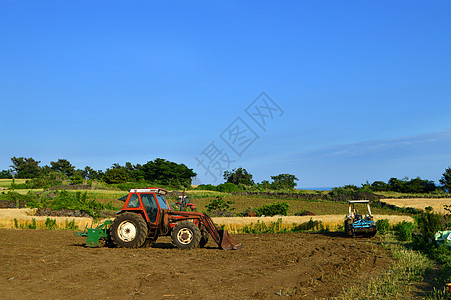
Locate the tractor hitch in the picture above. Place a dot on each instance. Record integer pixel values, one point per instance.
(97, 234)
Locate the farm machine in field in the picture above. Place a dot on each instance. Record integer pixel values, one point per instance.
(146, 216)
(357, 224)
(443, 237)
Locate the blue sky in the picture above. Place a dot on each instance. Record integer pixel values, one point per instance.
(363, 87)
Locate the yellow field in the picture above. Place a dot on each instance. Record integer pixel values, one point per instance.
(26, 215)
(235, 224)
(232, 224)
(7, 182)
(420, 203)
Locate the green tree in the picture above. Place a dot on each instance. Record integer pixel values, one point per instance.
(238, 176)
(395, 184)
(116, 175)
(379, 186)
(284, 181)
(5, 174)
(63, 166)
(91, 174)
(265, 185)
(25, 167)
(166, 172)
(446, 179)
(76, 179)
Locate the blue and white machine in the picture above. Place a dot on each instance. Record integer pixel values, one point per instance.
(357, 224)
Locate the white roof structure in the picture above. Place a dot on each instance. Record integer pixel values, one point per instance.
(158, 191)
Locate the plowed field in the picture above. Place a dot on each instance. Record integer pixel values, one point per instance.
(44, 264)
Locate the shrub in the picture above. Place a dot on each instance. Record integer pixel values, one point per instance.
(116, 176)
(227, 188)
(428, 224)
(278, 208)
(404, 230)
(219, 204)
(76, 179)
(206, 187)
(383, 226)
(79, 201)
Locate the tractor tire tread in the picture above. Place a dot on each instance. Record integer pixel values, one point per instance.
(139, 222)
(195, 230)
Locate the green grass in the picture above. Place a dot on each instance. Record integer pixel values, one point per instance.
(409, 266)
(241, 203)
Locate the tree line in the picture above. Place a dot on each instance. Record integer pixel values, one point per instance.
(159, 171)
(167, 173)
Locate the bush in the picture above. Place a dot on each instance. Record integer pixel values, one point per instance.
(76, 179)
(429, 223)
(206, 187)
(116, 176)
(79, 201)
(404, 230)
(278, 208)
(227, 188)
(383, 226)
(30, 199)
(219, 204)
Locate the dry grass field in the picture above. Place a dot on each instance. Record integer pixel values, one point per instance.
(421, 203)
(9, 217)
(332, 222)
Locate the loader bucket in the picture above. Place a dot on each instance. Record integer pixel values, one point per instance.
(227, 242)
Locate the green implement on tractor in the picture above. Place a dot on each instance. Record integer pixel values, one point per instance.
(97, 235)
(443, 237)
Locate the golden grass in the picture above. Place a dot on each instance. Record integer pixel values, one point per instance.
(333, 222)
(232, 224)
(7, 182)
(26, 215)
(25, 191)
(420, 203)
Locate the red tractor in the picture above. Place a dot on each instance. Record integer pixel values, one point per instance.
(146, 215)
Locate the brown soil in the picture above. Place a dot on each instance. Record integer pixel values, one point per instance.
(38, 264)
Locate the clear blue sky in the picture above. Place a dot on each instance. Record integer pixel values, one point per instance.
(363, 87)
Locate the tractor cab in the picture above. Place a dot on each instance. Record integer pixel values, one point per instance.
(183, 203)
(148, 202)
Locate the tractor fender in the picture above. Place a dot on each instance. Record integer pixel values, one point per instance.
(139, 212)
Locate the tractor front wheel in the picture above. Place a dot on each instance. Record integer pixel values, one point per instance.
(129, 230)
(186, 235)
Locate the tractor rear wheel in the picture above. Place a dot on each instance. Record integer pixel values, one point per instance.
(129, 230)
(186, 235)
(348, 227)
